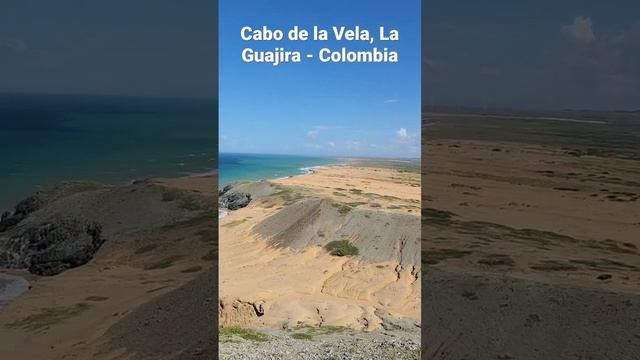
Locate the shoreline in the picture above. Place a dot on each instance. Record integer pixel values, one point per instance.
(306, 171)
(11, 287)
(158, 238)
(288, 225)
(302, 171)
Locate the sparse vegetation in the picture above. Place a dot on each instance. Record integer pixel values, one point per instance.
(210, 256)
(201, 218)
(323, 330)
(497, 260)
(192, 269)
(207, 234)
(73, 187)
(341, 248)
(552, 265)
(288, 194)
(188, 199)
(469, 295)
(343, 209)
(170, 194)
(163, 263)
(446, 219)
(434, 256)
(146, 248)
(437, 217)
(234, 223)
(302, 336)
(355, 204)
(228, 333)
(48, 317)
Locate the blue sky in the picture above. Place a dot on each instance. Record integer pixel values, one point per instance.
(314, 108)
(544, 54)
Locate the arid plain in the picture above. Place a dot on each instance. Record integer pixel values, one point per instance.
(531, 226)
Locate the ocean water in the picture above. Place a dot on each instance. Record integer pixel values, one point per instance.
(10, 288)
(237, 167)
(45, 139)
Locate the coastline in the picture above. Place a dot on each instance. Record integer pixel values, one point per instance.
(160, 236)
(11, 287)
(308, 170)
(349, 200)
(240, 167)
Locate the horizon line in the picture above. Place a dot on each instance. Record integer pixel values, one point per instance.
(324, 156)
(176, 97)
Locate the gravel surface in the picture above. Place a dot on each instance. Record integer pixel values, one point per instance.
(340, 345)
(484, 317)
(179, 325)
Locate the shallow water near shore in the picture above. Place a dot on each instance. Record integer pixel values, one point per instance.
(238, 167)
(10, 288)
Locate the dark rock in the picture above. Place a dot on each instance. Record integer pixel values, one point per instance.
(51, 248)
(24, 208)
(604, 277)
(234, 200)
(225, 190)
(28, 205)
(141, 181)
(9, 222)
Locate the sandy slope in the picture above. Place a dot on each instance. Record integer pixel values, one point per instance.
(274, 271)
(159, 238)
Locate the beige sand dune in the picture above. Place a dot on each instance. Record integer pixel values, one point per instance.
(275, 271)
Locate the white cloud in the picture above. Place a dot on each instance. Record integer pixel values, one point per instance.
(580, 31)
(391, 101)
(312, 133)
(402, 133)
(332, 144)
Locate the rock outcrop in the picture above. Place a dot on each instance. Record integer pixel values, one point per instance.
(231, 199)
(52, 247)
(24, 208)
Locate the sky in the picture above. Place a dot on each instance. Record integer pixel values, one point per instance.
(543, 54)
(114, 47)
(314, 108)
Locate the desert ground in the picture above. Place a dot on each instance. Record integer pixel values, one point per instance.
(531, 236)
(148, 292)
(281, 280)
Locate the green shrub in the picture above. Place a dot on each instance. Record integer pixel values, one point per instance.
(229, 332)
(341, 248)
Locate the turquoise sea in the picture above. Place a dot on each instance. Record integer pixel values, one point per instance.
(236, 167)
(45, 139)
